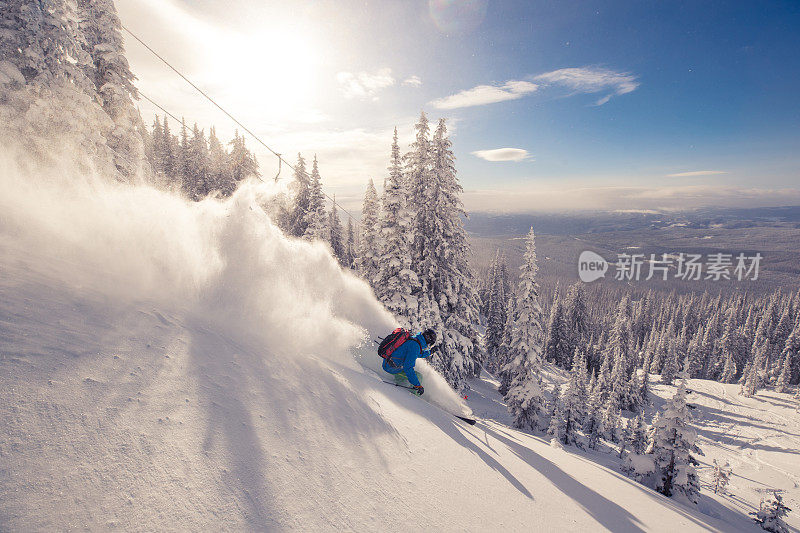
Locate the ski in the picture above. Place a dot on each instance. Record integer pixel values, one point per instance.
(470, 421)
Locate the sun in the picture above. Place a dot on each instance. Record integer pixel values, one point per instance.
(273, 71)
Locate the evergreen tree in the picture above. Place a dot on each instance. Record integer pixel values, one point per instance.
(644, 390)
(791, 358)
(558, 336)
(576, 317)
(611, 422)
(369, 242)
(524, 396)
(350, 245)
(155, 148)
(182, 159)
(575, 398)
(296, 218)
(637, 441)
(753, 376)
(673, 443)
(496, 312)
(771, 513)
(503, 354)
(732, 349)
(695, 352)
(113, 81)
(316, 218)
(217, 164)
(459, 354)
(335, 235)
(197, 179)
(593, 427)
(673, 356)
(782, 385)
(396, 283)
(557, 425)
(242, 164)
(721, 476)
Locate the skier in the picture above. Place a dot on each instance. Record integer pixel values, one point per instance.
(401, 362)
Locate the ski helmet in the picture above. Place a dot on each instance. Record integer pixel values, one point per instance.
(430, 336)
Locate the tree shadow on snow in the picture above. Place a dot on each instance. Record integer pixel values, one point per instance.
(611, 515)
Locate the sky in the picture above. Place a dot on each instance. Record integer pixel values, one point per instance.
(551, 105)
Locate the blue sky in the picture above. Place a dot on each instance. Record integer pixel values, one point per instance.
(557, 104)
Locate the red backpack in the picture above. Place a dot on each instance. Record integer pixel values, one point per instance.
(392, 342)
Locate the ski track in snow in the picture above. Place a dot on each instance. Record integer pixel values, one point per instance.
(150, 384)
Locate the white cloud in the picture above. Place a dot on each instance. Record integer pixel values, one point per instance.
(365, 84)
(413, 81)
(486, 94)
(592, 80)
(696, 173)
(503, 154)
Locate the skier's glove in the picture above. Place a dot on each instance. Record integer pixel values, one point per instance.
(434, 348)
(419, 389)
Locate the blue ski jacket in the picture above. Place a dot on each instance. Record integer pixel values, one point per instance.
(405, 356)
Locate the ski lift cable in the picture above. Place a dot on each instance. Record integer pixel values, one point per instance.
(234, 119)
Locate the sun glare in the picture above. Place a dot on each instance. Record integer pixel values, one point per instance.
(272, 71)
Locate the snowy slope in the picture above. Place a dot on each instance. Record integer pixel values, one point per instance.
(173, 366)
(758, 436)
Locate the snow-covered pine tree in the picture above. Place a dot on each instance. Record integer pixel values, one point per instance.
(771, 513)
(503, 355)
(671, 361)
(673, 444)
(620, 395)
(696, 355)
(396, 283)
(335, 234)
(182, 159)
(524, 396)
(778, 339)
(154, 145)
(496, 313)
(576, 316)
(558, 341)
(295, 219)
(197, 166)
(170, 153)
(637, 442)
(369, 242)
(731, 349)
(461, 313)
(574, 400)
(782, 384)
(626, 433)
(242, 164)
(753, 379)
(729, 370)
(557, 425)
(113, 81)
(44, 84)
(720, 476)
(593, 427)
(217, 163)
(316, 217)
(791, 358)
(440, 251)
(644, 390)
(611, 422)
(419, 181)
(350, 244)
